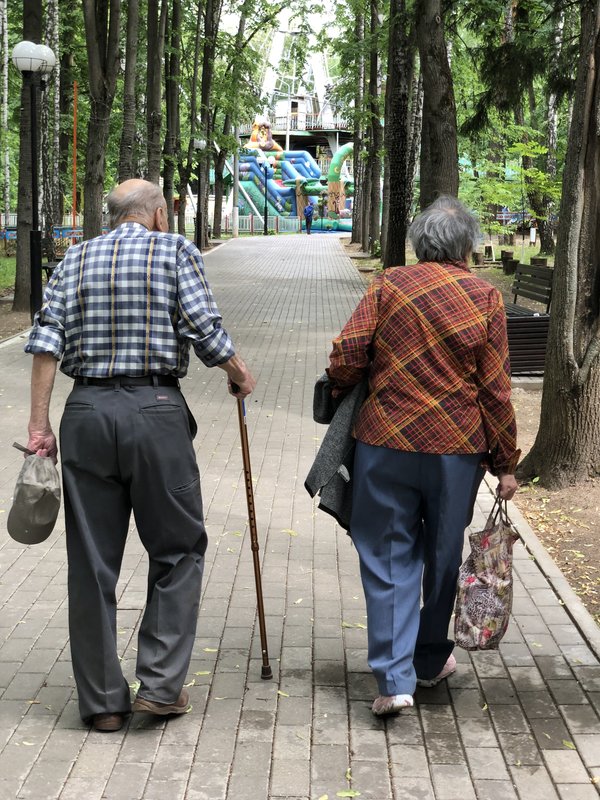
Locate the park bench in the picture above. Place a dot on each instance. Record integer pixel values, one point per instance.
(528, 329)
(49, 268)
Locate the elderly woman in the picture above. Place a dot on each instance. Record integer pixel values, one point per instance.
(432, 339)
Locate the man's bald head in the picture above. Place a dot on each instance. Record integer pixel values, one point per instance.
(135, 200)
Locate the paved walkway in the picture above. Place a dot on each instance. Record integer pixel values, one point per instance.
(519, 723)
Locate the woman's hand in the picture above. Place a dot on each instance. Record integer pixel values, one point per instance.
(507, 486)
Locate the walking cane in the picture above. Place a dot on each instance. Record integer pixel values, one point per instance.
(266, 672)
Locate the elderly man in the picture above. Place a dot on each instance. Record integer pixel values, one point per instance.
(120, 314)
(432, 339)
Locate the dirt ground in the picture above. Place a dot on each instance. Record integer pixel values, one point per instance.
(566, 521)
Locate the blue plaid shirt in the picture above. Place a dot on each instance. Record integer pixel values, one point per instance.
(130, 303)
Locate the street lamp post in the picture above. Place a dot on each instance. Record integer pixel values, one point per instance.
(31, 60)
(199, 147)
(265, 220)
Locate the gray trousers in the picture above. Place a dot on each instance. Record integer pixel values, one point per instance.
(123, 449)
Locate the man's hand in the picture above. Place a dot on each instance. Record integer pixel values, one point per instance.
(241, 389)
(43, 443)
(507, 486)
(240, 382)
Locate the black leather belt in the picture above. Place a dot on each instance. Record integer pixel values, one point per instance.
(127, 380)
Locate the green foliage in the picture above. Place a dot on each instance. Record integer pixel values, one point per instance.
(7, 272)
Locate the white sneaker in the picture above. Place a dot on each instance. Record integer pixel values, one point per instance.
(449, 668)
(392, 704)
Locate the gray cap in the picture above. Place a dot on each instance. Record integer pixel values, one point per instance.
(36, 501)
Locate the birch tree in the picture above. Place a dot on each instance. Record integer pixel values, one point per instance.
(50, 128)
(172, 90)
(5, 155)
(567, 447)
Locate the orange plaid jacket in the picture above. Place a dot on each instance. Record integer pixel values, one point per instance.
(433, 340)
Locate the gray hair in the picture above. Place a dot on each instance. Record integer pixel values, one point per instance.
(444, 231)
(142, 202)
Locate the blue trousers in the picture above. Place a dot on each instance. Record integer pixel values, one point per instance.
(410, 511)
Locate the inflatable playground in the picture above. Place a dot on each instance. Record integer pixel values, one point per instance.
(293, 179)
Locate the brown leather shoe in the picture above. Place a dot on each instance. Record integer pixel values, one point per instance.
(180, 706)
(108, 723)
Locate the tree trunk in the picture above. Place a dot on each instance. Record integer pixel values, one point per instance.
(6, 149)
(32, 31)
(102, 20)
(50, 124)
(546, 225)
(211, 27)
(416, 123)
(172, 79)
(376, 136)
(365, 217)
(439, 148)
(126, 150)
(358, 204)
(220, 159)
(186, 163)
(397, 134)
(156, 48)
(64, 142)
(567, 447)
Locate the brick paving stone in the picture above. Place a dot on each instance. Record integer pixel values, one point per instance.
(243, 739)
(567, 692)
(130, 780)
(78, 788)
(371, 779)
(588, 677)
(477, 732)
(208, 781)
(588, 747)
(159, 790)
(517, 655)
(444, 749)
(577, 791)
(494, 790)
(409, 761)
(331, 729)
(328, 766)
(520, 749)
(581, 719)
(452, 782)
(566, 766)
(550, 733)
(467, 702)
(534, 783)
(413, 788)
(486, 764)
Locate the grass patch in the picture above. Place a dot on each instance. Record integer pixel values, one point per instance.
(8, 265)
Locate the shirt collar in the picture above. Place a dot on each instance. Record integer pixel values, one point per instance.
(449, 263)
(130, 227)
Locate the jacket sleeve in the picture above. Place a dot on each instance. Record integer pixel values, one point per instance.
(493, 375)
(349, 360)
